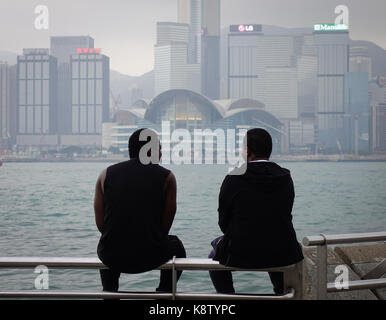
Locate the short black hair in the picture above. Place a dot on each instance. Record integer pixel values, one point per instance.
(135, 144)
(259, 142)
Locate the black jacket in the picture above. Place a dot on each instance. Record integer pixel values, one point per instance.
(255, 217)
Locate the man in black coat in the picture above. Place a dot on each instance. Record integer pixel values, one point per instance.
(255, 216)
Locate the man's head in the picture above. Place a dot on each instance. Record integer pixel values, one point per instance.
(139, 139)
(258, 145)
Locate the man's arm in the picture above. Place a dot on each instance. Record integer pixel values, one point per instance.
(170, 202)
(98, 200)
(224, 206)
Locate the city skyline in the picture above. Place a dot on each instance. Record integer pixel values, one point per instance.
(135, 57)
(296, 82)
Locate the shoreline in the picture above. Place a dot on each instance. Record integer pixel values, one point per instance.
(120, 159)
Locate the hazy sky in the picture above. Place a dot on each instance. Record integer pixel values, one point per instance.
(126, 29)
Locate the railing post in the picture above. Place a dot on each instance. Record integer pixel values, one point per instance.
(174, 278)
(321, 270)
(293, 278)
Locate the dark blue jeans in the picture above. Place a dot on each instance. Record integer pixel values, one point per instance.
(110, 278)
(223, 281)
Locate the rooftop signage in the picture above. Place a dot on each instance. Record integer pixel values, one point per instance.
(88, 50)
(246, 28)
(330, 27)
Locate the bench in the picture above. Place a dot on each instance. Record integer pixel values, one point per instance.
(293, 283)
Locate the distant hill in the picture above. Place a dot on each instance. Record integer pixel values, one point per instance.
(124, 86)
(377, 54)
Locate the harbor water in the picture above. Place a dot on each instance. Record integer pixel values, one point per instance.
(46, 209)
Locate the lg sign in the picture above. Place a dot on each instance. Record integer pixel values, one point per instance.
(246, 28)
(243, 28)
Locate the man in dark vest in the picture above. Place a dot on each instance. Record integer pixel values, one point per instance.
(255, 205)
(135, 205)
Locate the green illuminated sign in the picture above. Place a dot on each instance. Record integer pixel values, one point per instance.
(330, 27)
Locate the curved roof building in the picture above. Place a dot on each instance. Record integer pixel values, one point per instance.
(191, 110)
(186, 109)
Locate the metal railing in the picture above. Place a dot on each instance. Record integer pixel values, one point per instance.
(293, 284)
(322, 241)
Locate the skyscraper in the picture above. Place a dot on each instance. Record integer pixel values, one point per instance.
(245, 70)
(281, 92)
(183, 11)
(263, 67)
(37, 93)
(333, 63)
(379, 116)
(210, 48)
(377, 94)
(172, 32)
(90, 91)
(4, 104)
(63, 47)
(195, 32)
(171, 67)
(356, 113)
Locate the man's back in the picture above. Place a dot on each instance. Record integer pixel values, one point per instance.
(255, 216)
(134, 198)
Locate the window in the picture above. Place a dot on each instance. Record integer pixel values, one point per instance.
(91, 119)
(83, 65)
(46, 92)
(75, 119)
(83, 119)
(46, 123)
(22, 92)
(30, 92)
(98, 92)
(30, 70)
(91, 67)
(98, 71)
(22, 66)
(30, 119)
(83, 91)
(75, 91)
(75, 69)
(22, 119)
(91, 92)
(38, 119)
(46, 73)
(98, 119)
(38, 70)
(38, 92)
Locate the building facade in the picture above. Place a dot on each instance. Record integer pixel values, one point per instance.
(5, 105)
(171, 67)
(377, 94)
(356, 114)
(263, 67)
(172, 32)
(63, 47)
(333, 63)
(37, 93)
(210, 48)
(245, 70)
(379, 128)
(194, 49)
(90, 91)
